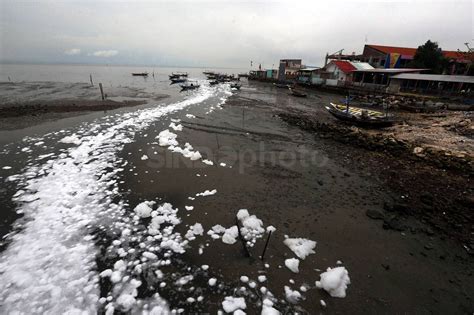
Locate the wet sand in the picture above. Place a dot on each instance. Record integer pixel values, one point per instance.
(397, 262)
(391, 220)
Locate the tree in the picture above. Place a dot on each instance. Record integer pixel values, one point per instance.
(430, 56)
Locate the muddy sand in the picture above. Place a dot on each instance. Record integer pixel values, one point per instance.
(402, 227)
(400, 223)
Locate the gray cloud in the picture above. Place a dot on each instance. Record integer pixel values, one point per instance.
(225, 33)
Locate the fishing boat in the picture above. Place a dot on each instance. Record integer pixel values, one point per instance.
(235, 86)
(360, 116)
(178, 80)
(175, 75)
(281, 85)
(191, 86)
(140, 74)
(297, 93)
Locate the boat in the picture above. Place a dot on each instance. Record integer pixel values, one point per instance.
(174, 75)
(243, 75)
(207, 72)
(360, 116)
(140, 74)
(178, 80)
(191, 86)
(297, 93)
(214, 82)
(235, 86)
(281, 85)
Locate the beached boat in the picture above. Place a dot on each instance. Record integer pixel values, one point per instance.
(297, 93)
(360, 116)
(191, 86)
(140, 74)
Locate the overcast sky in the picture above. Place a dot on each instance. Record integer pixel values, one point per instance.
(221, 33)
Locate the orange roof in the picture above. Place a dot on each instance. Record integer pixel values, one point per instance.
(344, 66)
(411, 51)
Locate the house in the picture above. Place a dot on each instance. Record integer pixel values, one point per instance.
(289, 68)
(339, 72)
(309, 75)
(378, 78)
(432, 84)
(400, 57)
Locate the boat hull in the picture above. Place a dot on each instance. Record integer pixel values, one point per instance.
(354, 116)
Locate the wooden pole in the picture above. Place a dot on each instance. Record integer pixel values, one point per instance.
(101, 91)
(266, 244)
(90, 76)
(247, 252)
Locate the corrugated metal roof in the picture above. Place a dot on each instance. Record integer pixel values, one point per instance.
(344, 66)
(391, 70)
(435, 77)
(361, 65)
(309, 69)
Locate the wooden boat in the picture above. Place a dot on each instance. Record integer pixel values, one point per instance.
(192, 86)
(297, 93)
(235, 86)
(140, 74)
(178, 80)
(177, 75)
(360, 116)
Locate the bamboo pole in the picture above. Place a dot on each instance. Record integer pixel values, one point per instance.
(247, 252)
(266, 244)
(101, 91)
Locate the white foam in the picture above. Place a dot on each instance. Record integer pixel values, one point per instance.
(49, 266)
(335, 281)
(302, 247)
(292, 264)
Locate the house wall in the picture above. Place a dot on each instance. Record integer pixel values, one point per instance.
(336, 73)
(374, 57)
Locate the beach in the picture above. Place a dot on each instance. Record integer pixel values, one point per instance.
(106, 197)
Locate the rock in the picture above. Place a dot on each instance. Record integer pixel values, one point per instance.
(375, 214)
(386, 267)
(417, 150)
(394, 223)
(429, 246)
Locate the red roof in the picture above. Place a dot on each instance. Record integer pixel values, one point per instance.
(344, 66)
(411, 51)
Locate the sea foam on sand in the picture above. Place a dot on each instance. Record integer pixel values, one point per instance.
(334, 281)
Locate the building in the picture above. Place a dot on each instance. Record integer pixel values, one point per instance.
(400, 57)
(377, 78)
(309, 75)
(289, 69)
(432, 84)
(340, 72)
